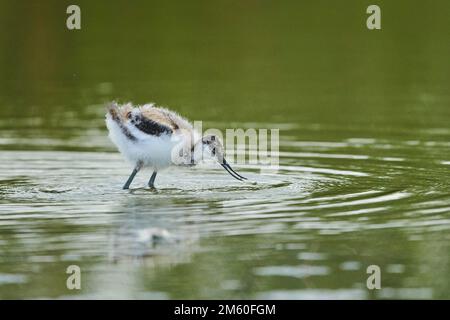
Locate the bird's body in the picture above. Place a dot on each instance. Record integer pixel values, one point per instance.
(149, 136)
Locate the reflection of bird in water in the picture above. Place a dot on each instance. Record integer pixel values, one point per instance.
(155, 236)
(155, 245)
(154, 137)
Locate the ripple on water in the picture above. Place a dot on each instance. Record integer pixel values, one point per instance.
(325, 201)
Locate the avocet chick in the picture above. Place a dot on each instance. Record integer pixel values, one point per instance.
(149, 136)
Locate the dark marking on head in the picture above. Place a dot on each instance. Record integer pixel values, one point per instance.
(209, 140)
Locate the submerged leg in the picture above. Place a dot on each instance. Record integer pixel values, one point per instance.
(130, 179)
(152, 180)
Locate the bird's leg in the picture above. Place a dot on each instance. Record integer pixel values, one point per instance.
(132, 175)
(152, 180)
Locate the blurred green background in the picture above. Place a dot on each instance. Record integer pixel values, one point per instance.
(307, 61)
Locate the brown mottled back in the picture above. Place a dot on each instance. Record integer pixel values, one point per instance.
(165, 117)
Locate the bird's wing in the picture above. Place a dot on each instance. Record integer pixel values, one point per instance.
(165, 117)
(176, 121)
(148, 125)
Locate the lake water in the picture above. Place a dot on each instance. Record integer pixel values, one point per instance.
(364, 173)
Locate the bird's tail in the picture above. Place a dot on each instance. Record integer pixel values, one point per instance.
(118, 114)
(114, 111)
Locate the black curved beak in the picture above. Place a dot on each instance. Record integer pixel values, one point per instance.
(230, 170)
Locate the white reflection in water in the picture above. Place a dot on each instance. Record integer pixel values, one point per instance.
(300, 271)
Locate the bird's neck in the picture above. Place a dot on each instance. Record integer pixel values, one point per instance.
(196, 152)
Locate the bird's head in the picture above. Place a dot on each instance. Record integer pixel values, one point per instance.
(212, 147)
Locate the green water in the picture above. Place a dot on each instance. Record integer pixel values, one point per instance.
(364, 150)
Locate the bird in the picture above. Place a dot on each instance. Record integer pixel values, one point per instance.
(150, 136)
